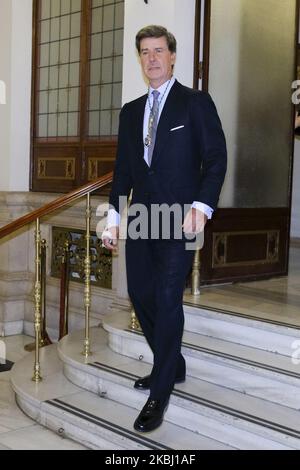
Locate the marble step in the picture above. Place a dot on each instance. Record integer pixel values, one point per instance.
(221, 414)
(255, 372)
(267, 335)
(94, 421)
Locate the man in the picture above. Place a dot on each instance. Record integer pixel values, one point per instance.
(171, 149)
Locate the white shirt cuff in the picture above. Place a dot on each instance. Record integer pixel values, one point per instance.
(208, 211)
(113, 218)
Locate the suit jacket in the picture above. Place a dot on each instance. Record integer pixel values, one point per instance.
(188, 163)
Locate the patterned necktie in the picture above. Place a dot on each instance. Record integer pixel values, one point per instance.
(153, 120)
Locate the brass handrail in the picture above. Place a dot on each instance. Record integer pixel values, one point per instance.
(35, 216)
(58, 203)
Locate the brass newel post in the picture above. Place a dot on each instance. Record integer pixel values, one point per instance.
(37, 303)
(196, 274)
(87, 273)
(134, 323)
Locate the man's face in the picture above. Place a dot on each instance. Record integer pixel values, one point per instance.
(156, 60)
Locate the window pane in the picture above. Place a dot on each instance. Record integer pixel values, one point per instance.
(96, 46)
(43, 102)
(106, 91)
(97, 19)
(52, 125)
(108, 17)
(44, 76)
(63, 100)
(94, 123)
(54, 29)
(44, 55)
(64, 27)
(105, 123)
(43, 126)
(53, 103)
(45, 31)
(95, 72)
(108, 44)
(72, 124)
(53, 77)
(74, 75)
(63, 124)
(106, 75)
(55, 8)
(75, 24)
(73, 99)
(76, 5)
(65, 7)
(45, 9)
(94, 97)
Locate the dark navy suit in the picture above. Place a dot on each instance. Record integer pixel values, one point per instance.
(188, 164)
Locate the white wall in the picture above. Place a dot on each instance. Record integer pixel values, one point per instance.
(15, 71)
(5, 76)
(176, 15)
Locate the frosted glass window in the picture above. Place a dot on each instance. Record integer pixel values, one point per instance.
(106, 46)
(59, 66)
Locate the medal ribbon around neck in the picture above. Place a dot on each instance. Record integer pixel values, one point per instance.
(148, 139)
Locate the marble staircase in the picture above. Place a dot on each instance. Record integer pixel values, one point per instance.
(242, 387)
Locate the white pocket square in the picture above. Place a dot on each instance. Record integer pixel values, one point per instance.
(176, 128)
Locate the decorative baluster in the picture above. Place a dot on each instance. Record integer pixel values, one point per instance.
(196, 274)
(37, 302)
(87, 272)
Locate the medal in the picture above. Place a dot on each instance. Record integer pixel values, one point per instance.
(148, 141)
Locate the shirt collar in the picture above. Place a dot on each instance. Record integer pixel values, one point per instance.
(163, 87)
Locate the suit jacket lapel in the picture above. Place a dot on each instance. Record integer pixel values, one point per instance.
(138, 127)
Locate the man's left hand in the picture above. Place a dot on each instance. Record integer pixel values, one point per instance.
(194, 221)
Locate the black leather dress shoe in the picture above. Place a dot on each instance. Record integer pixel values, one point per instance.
(151, 416)
(144, 382)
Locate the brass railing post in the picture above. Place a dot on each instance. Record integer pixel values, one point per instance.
(134, 323)
(87, 272)
(196, 274)
(37, 303)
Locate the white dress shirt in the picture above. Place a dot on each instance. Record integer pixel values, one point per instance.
(113, 217)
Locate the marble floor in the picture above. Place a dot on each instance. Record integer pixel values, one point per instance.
(17, 431)
(276, 300)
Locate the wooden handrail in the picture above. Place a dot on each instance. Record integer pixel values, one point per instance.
(56, 204)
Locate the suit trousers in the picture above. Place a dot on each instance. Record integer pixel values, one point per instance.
(156, 276)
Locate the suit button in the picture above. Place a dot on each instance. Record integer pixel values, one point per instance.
(151, 172)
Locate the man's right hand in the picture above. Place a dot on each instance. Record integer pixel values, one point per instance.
(111, 242)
